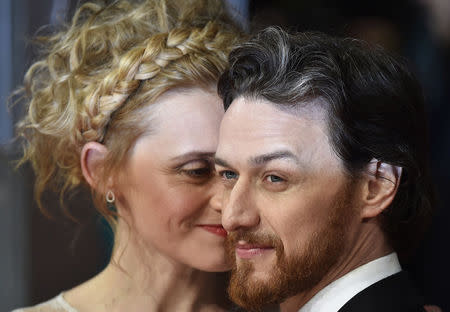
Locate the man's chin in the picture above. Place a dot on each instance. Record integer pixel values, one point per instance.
(258, 275)
(261, 265)
(254, 286)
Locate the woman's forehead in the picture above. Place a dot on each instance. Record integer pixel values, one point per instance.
(185, 122)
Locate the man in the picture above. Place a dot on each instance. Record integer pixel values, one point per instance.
(323, 157)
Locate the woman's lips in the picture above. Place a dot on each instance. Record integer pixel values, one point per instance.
(215, 229)
(249, 251)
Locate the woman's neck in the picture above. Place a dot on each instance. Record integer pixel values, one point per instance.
(141, 279)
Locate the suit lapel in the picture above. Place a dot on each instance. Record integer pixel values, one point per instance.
(394, 293)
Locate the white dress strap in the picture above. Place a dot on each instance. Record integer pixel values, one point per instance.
(57, 304)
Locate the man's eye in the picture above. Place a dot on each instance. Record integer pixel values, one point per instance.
(274, 179)
(228, 175)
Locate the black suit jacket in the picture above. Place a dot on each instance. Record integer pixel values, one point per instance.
(395, 293)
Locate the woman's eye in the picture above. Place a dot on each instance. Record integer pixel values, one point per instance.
(274, 179)
(198, 172)
(228, 175)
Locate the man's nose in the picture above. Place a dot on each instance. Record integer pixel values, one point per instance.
(238, 208)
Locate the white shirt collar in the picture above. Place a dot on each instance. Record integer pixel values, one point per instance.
(336, 294)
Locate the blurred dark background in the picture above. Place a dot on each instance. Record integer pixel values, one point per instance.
(42, 256)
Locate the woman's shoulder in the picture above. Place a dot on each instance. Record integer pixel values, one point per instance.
(57, 304)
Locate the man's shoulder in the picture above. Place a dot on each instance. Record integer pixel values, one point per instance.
(393, 293)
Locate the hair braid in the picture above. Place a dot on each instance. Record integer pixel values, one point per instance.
(99, 71)
(141, 63)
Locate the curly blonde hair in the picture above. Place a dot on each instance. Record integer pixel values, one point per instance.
(98, 73)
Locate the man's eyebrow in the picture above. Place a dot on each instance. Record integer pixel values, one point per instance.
(265, 158)
(221, 162)
(192, 155)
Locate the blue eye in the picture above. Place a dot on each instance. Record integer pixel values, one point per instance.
(274, 179)
(228, 175)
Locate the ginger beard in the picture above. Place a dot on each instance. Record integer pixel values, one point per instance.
(294, 274)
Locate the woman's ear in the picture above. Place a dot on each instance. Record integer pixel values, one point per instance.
(93, 155)
(380, 186)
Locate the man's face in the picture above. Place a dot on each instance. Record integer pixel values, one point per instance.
(287, 203)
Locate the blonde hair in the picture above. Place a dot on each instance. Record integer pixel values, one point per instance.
(98, 73)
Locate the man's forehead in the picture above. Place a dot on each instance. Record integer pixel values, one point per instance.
(245, 109)
(312, 108)
(253, 127)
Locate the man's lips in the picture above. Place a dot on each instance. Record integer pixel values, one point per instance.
(215, 229)
(248, 251)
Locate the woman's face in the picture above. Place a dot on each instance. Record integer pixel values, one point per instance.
(168, 189)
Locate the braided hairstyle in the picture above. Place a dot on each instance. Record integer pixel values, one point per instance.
(98, 74)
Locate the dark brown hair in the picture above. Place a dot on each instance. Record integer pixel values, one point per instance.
(375, 109)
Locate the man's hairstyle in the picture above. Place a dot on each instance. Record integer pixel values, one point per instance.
(374, 105)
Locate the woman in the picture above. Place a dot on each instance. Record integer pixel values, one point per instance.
(124, 102)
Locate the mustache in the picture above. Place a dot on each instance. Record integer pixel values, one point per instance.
(250, 237)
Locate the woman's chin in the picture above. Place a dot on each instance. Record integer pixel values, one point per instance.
(214, 266)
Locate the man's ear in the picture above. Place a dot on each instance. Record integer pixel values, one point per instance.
(380, 184)
(93, 155)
